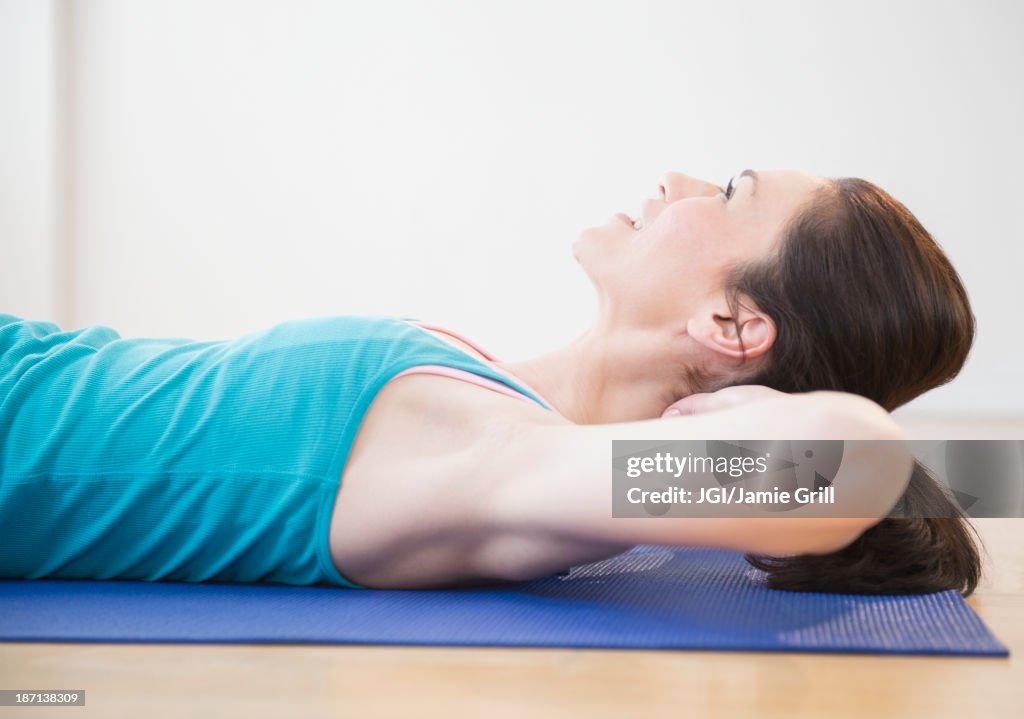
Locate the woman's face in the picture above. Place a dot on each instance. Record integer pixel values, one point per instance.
(673, 267)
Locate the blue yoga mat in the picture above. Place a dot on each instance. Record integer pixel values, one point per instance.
(650, 597)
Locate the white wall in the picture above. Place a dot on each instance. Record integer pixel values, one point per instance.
(31, 211)
(236, 163)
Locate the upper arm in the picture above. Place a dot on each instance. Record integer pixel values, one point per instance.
(555, 479)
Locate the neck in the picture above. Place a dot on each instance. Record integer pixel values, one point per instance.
(606, 376)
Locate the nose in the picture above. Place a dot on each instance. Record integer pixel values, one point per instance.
(677, 186)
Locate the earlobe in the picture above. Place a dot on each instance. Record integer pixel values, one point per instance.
(749, 335)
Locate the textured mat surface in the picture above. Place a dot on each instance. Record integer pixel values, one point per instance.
(649, 598)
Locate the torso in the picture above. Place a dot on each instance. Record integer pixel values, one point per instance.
(404, 510)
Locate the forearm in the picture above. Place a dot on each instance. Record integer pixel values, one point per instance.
(556, 479)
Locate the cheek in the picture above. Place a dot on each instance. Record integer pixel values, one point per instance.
(691, 243)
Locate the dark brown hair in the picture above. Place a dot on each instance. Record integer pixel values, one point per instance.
(865, 301)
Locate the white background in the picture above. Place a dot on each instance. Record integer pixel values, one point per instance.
(206, 168)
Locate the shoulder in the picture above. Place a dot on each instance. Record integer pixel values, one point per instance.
(427, 413)
(411, 506)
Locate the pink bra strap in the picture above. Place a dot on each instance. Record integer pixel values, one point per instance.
(456, 373)
(491, 358)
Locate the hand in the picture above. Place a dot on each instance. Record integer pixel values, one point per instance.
(722, 399)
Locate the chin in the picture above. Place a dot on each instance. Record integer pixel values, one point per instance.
(586, 246)
(579, 249)
(596, 236)
(598, 250)
(588, 254)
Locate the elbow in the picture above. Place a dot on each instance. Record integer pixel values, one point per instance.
(875, 471)
(841, 415)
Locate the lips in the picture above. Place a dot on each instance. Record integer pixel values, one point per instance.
(625, 218)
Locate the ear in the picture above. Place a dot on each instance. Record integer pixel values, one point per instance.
(715, 327)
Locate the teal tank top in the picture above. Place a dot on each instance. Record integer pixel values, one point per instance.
(176, 459)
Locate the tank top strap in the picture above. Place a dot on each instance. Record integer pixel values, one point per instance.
(444, 358)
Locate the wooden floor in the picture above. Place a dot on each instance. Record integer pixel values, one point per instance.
(153, 681)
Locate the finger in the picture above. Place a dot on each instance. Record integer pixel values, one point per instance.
(691, 404)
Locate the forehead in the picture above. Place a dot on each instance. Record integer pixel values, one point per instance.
(781, 185)
(777, 195)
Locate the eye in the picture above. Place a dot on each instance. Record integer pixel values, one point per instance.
(728, 189)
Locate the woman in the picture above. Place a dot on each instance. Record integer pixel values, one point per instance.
(340, 450)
